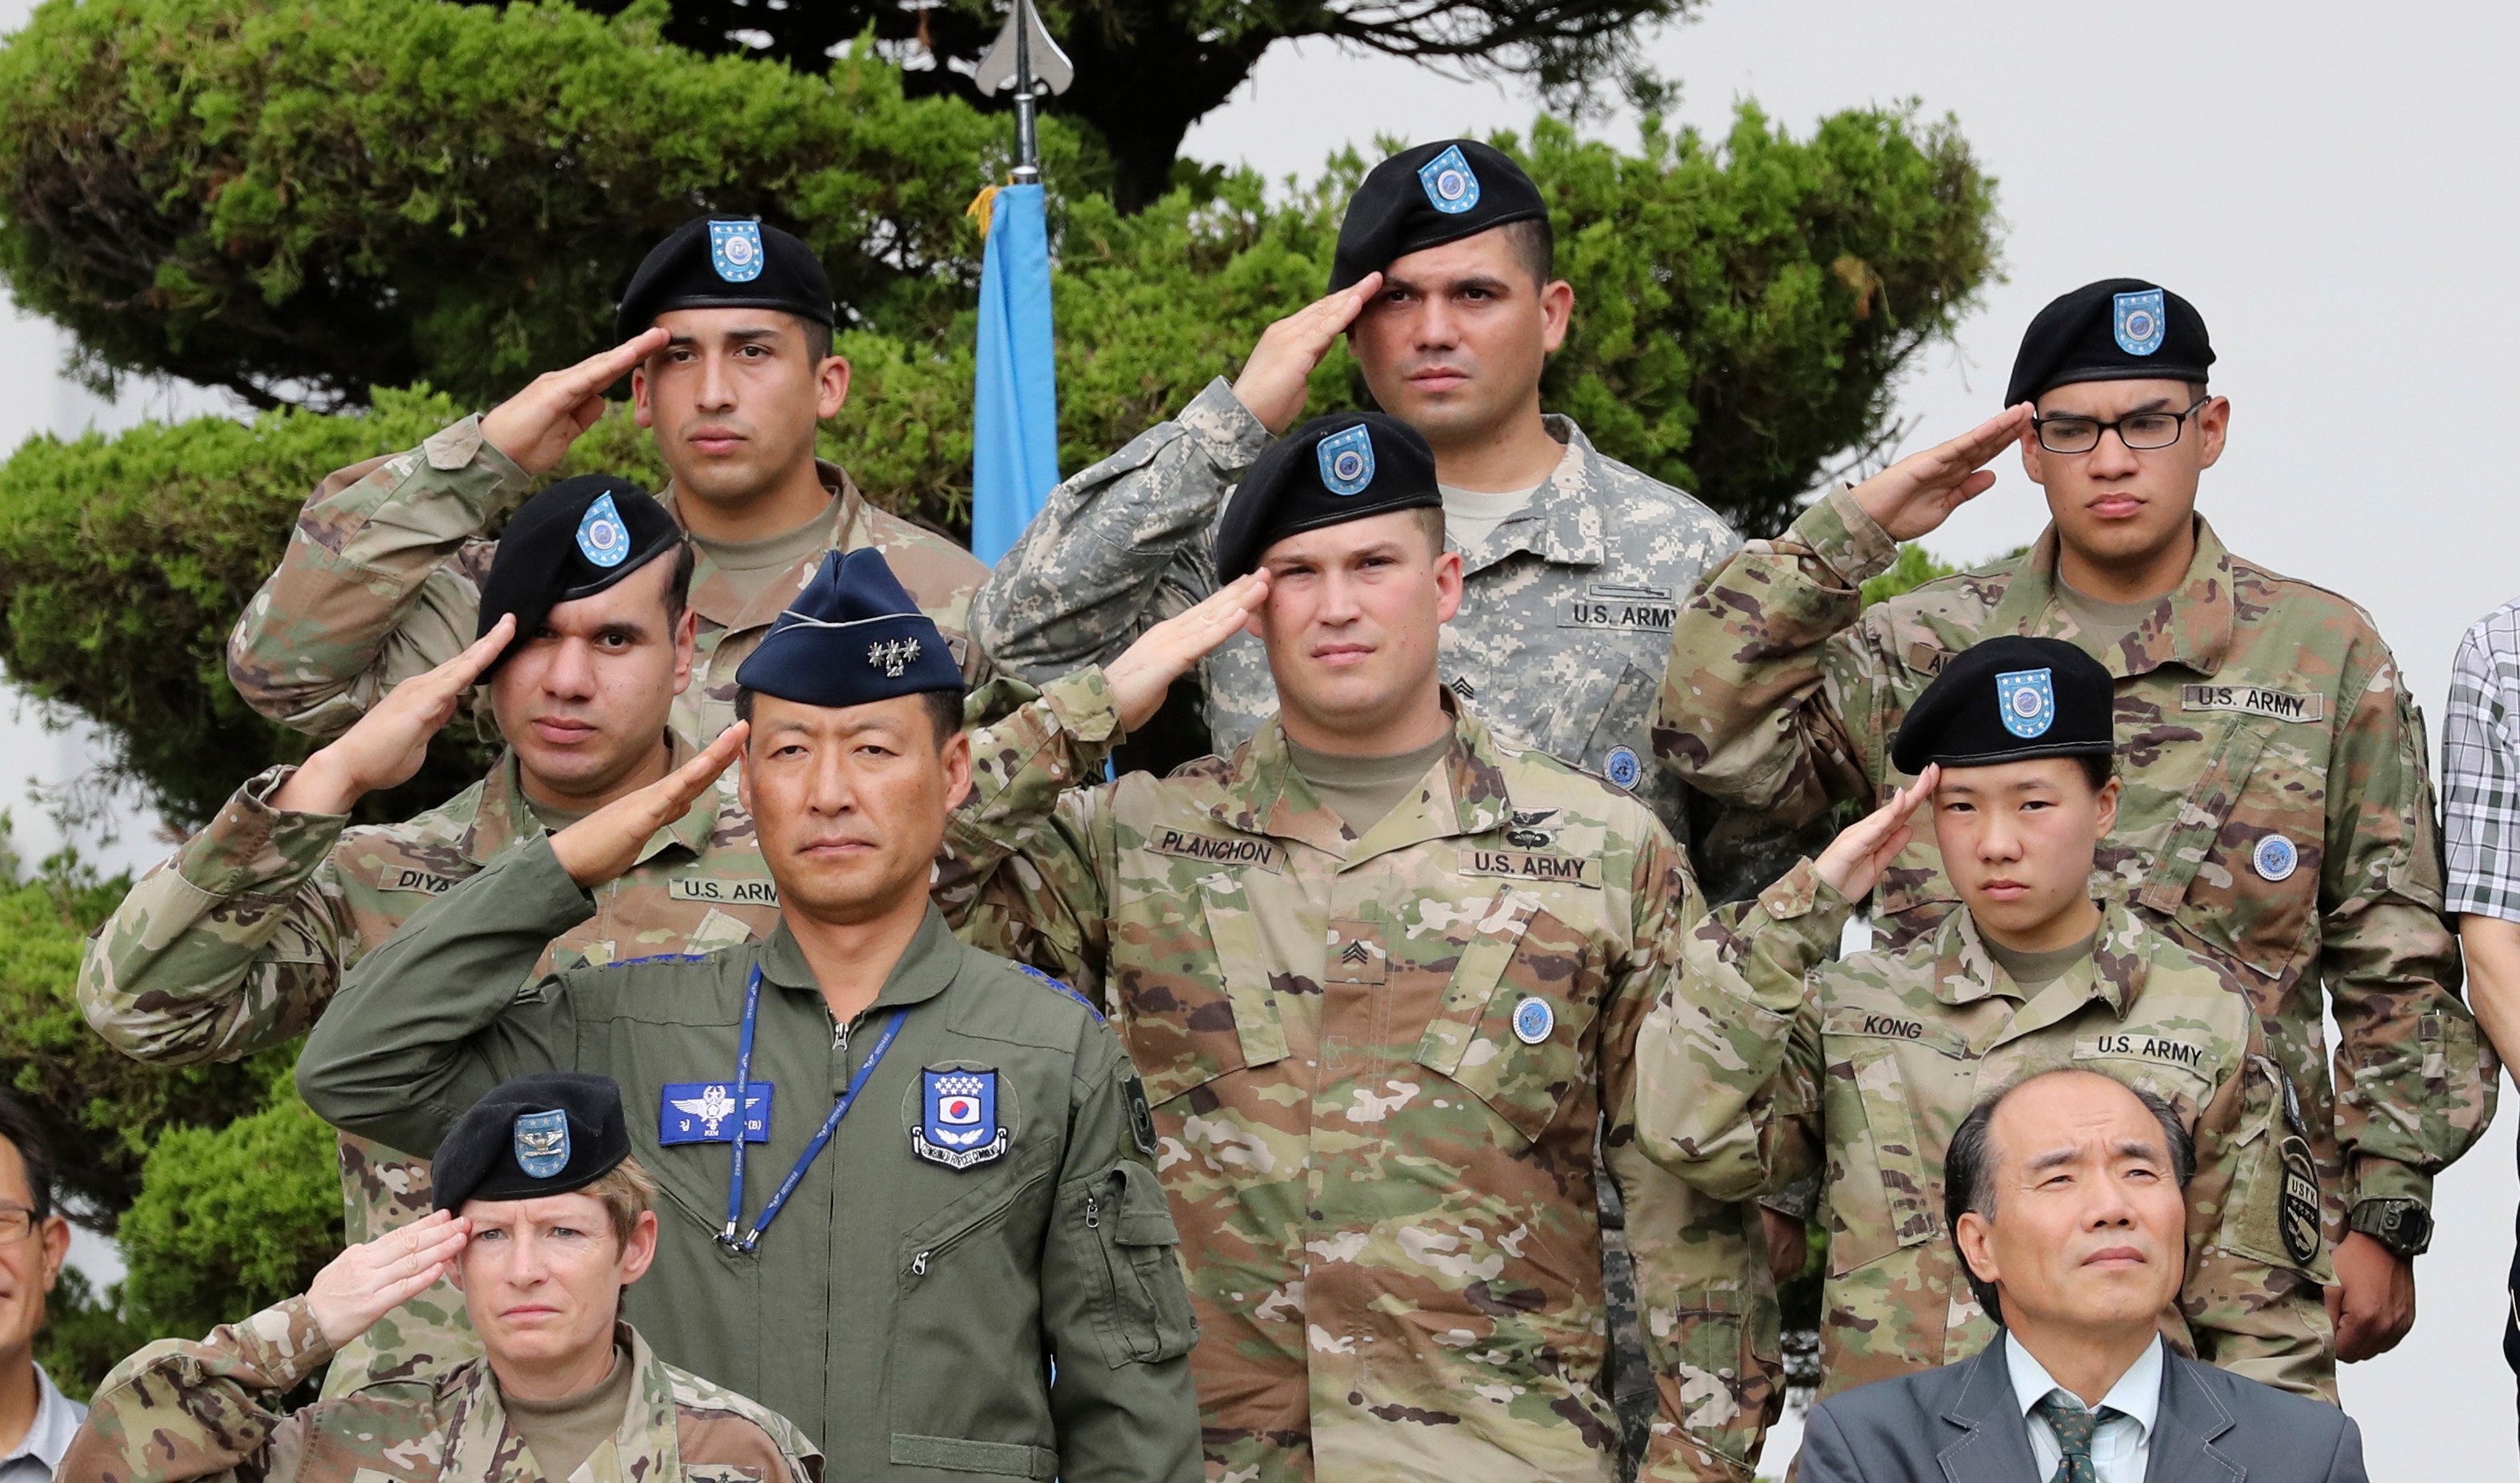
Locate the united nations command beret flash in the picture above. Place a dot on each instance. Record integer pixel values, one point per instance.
(1426, 196)
(545, 1134)
(2009, 699)
(1329, 471)
(571, 541)
(726, 263)
(852, 637)
(2116, 329)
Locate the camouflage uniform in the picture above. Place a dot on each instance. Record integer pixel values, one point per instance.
(1378, 1066)
(1559, 642)
(2251, 708)
(1887, 1052)
(383, 581)
(240, 940)
(181, 1409)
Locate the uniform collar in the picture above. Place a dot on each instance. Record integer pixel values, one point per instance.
(1563, 523)
(1964, 972)
(716, 602)
(923, 970)
(647, 1443)
(1465, 793)
(501, 815)
(2191, 625)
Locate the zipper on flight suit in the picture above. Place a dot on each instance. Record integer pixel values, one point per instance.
(950, 1240)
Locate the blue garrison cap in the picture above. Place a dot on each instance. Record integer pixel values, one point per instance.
(852, 637)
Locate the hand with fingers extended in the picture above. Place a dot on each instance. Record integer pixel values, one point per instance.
(1918, 493)
(369, 1280)
(535, 426)
(1166, 651)
(1861, 852)
(1272, 384)
(606, 842)
(389, 743)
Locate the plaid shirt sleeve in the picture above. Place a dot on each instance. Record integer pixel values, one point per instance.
(2480, 770)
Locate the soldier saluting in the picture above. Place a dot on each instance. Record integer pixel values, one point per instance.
(2276, 813)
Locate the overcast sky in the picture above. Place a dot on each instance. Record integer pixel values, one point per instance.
(2333, 190)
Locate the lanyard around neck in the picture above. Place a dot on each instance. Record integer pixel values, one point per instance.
(813, 1150)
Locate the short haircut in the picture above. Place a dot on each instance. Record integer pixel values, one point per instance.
(678, 587)
(628, 1192)
(1430, 523)
(1535, 245)
(818, 339)
(944, 708)
(2097, 768)
(1968, 1164)
(19, 1130)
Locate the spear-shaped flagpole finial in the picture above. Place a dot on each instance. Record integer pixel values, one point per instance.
(1025, 59)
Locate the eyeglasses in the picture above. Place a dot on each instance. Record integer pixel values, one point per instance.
(17, 1223)
(2140, 432)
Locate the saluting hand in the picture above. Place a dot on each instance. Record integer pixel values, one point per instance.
(1272, 383)
(1166, 651)
(369, 1280)
(535, 426)
(1919, 492)
(606, 842)
(389, 743)
(1858, 855)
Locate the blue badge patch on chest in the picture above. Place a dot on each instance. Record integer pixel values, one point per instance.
(1451, 186)
(1347, 461)
(1067, 989)
(735, 251)
(2027, 698)
(542, 1142)
(2275, 858)
(601, 538)
(2141, 321)
(958, 1124)
(1533, 1019)
(1623, 769)
(704, 1112)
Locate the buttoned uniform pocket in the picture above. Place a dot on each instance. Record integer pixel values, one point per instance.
(1194, 1002)
(1126, 1241)
(2240, 863)
(1513, 1027)
(1879, 1198)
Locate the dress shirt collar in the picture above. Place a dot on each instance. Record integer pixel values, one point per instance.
(56, 1420)
(2136, 1396)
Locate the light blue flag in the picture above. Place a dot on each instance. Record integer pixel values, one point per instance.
(1014, 413)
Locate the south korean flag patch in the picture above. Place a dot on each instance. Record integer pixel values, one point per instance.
(735, 251)
(958, 1124)
(2027, 700)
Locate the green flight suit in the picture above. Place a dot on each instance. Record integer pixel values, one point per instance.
(902, 1312)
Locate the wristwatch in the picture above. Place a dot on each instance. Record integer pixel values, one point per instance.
(2404, 1225)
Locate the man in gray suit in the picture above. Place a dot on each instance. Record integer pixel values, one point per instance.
(2063, 1194)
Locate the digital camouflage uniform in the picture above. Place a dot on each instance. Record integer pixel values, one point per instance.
(240, 941)
(1378, 1066)
(901, 1307)
(1559, 642)
(1887, 1053)
(383, 580)
(182, 1409)
(2251, 708)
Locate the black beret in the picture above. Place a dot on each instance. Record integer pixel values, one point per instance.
(1423, 198)
(852, 637)
(571, 541)
(1329, 471)
(726, 263)
(2116, 329)
(545, 1134)
(2009, 699)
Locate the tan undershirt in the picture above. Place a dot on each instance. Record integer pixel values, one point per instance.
(748, 566)
(564, 1433)
(2103, 624)
(1362, 789)
(2033, 971)
(554, 819)
(1472, 516)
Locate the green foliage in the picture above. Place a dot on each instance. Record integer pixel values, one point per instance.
(1914, 568)
(100, 1110)
(232, 1220)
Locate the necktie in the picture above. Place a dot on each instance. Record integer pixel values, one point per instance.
(2073, 1426)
